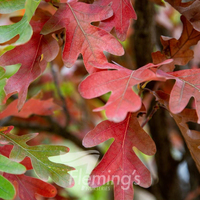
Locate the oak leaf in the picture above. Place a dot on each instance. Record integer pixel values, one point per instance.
(81, 36)
(120, 164)
(5, 151)
(120, 82)
(28, 186)
(39, 154)
(2, 85)
(182, 119)
(7, 190)
(179, 49)
(191, 136)
(33, 57)
(11, 167)
(25, 186)
(189, 9)
(32, 106)
(123, 12)
(21, 28)
(187, 85)
(9, 6)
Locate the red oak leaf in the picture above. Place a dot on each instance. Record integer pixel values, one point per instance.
(32, 106)
(179, 49)
(31, 59)
(120, 82)
(123, 12)
(28, 186)
(120, 164)
(187, 85)
(81, 36)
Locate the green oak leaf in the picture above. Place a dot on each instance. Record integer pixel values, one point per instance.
(11, 167)
(7, 190)
(2, 85)
(21, 28)
(39, 154)
(9, 6)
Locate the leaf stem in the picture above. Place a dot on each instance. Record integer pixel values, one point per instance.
(141, 87)
(155, 108)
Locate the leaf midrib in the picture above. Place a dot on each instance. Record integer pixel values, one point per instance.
(31, 155)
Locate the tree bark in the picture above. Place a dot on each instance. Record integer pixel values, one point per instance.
(143, 39)
(143, 32)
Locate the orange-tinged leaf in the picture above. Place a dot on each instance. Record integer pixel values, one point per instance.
(81, 36)
(32, 106)
(123, 12)
(3, 129)
(6, 129)
(120, 164)
(179, 49)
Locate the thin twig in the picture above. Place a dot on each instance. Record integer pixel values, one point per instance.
(155, 108)
(62, 98)
(53, 128)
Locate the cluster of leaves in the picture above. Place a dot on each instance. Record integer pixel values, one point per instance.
(85, 28)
